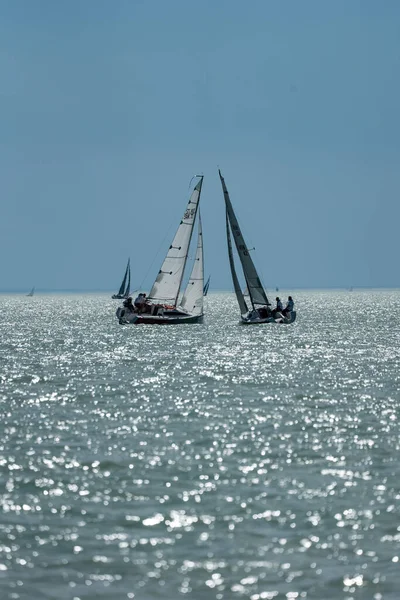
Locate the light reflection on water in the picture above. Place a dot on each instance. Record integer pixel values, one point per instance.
(202, 461)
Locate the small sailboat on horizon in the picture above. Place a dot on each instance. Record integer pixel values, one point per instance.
(164, 305)
(125, 287)
(31, 293)
(260, 311)
(206, 286)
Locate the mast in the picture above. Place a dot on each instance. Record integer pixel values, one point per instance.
(256, 290)
(168, 283)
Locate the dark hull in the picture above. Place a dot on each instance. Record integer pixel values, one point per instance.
(270, 321)
(177, 318)
(149, 320)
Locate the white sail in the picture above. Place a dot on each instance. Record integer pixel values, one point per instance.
(166, 287)
(236, 284)
(192, 301)
(254, 286)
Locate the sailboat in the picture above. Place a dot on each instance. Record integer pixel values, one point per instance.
(206, 286)
(31, 292)
(124, 288)
(163, 305)
(260, 310)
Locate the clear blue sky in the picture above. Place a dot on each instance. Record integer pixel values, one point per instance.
(108, 108)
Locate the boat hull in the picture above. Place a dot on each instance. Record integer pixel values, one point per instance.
(125, 318)
(143, 320)
(118, 297)
(270, 320)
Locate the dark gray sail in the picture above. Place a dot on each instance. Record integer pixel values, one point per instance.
(121, 290)
(256, 290)
(207, 285)
(128, 285)
(236, 284)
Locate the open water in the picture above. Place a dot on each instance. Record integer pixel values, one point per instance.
(209, 461)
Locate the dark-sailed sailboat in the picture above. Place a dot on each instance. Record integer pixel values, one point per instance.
(260, 311)
(125, 287)
(206, 286)
(164, 305)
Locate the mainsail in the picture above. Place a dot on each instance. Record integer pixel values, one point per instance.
(256, 290)
(166, 287)
(236, 284)
(128, 285)
(192, 300)
(121, 291)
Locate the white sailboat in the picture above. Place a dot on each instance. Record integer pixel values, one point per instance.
(31, 292)
(125, 287)
(163, 305)
(260, 310)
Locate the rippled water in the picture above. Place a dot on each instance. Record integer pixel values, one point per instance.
(200, 461)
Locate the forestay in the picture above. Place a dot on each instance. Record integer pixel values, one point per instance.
(192, 300)
(256, 290)
(166, 287)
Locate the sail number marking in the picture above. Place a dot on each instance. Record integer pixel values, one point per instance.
(190, 212)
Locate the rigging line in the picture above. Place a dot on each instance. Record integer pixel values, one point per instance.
(260, 271)
(262, 277)
(163, 241)
(156, 254)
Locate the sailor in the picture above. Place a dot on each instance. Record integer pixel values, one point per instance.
(128, 304)
(278, 308)
(289, 306)
(139, 301)
(264, 312)
(145, 305)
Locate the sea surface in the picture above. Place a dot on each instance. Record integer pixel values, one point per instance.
(209, 461)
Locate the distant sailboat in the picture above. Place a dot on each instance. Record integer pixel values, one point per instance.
(207, 285)
(31, 292)
(125, 286)
(261, 311)
(163, 305)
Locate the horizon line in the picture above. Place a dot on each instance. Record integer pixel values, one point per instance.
(216, 290)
